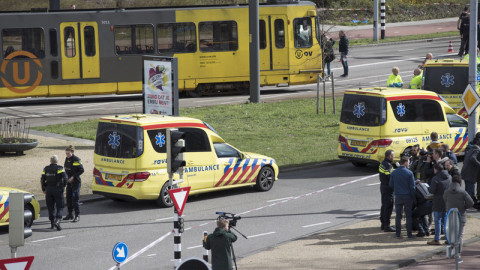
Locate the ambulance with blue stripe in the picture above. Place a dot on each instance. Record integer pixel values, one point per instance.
(131, 161)
(377, 119)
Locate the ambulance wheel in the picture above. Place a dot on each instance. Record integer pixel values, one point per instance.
(265, 179)
(359, 164)
(164, 199)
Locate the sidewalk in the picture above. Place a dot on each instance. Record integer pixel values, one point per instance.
(395, 29)
(363, 246)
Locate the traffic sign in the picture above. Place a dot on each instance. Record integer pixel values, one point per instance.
(22, 263)
(470, 99)
(120, 252)
(179, 197)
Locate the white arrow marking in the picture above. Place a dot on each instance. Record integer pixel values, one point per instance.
(16, 266)
(121, 252)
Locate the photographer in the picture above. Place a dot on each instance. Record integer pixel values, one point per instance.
(220, 242)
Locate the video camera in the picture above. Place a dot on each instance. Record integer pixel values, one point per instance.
(232, 218)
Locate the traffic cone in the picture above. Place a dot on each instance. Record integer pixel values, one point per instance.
(450, 47)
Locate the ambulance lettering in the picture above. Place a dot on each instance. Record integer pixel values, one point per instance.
(411, 140)
(400, 130)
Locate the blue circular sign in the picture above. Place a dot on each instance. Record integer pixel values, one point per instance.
(120, 252)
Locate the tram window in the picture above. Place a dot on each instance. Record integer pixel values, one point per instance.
(263, 34)
(23, 39)
(218, 36)
(176, 37)
(89, 36)
(69, 36)
(279, 34)
(134, 39)
(53, 42)
(303, 32)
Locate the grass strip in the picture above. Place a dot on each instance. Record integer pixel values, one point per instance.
(368, 41)
(289, 131)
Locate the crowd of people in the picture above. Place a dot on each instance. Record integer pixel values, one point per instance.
(425, 184)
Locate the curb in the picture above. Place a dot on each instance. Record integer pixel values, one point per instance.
(61, 137)
(418, 258)
(89, 198)
(406, 41)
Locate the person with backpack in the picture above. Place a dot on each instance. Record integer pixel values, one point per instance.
(329, 54)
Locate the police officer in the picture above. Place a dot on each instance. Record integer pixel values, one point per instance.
(385, 169)
(220, 242)
(73, 168)
(53, 183)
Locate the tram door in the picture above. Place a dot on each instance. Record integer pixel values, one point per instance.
(273, 43)
(80, 50)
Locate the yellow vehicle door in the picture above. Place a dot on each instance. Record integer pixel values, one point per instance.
(273, 49)
(232, 168)
(80, 50)
(4, 201)
(200, 159)
(458, 128)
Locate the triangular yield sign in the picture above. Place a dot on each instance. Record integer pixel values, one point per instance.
(179, 197)
(22, 263)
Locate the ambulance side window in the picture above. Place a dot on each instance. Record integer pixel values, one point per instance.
(417, 111)
(454, 120)
(158, 139)
(224, 150)
(196, 140)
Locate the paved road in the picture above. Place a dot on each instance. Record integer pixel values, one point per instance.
(300, 203)
(369, 66)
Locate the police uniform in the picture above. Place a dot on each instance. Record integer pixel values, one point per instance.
(385, 169)
(53, 182)
(73, 168)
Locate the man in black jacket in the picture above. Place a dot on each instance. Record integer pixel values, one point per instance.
(384, 171)
(343, 49)
(74, 168)
(53, 182)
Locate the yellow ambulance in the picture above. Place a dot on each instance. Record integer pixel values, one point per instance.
(131, 162)
(377, 119)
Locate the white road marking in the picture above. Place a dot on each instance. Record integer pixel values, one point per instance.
(281, 199)
(160, 219)
(316, 224)
(374, 184)
(46, 239)
(367, 215)
(406, 50)
(262, 234)
(151, 255)
(195, 247)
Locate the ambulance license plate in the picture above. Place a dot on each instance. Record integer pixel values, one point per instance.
(359, 143)
(110, 176)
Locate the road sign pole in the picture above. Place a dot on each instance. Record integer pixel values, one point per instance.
(205, 251)
(472, 66)
(177, 239)
(13, 252)
(375, 20)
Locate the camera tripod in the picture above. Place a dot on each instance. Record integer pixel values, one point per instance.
(231, 247)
